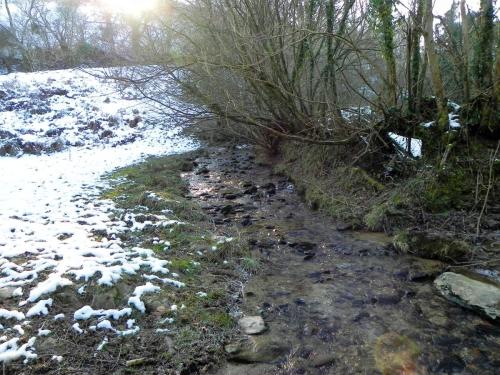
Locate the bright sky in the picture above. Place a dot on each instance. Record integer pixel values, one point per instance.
(442, 6)
(132, 7)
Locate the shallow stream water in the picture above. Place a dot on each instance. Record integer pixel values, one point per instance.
(335, 302)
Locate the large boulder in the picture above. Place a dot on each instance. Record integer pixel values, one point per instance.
(479, 294)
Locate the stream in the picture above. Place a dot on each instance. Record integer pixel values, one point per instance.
(334, 302)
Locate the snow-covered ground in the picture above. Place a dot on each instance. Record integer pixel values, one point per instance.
(49, 111)
(49, 205)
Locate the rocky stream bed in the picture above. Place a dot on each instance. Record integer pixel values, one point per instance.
(333, 301)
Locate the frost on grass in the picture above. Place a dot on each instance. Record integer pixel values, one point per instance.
(50, 206)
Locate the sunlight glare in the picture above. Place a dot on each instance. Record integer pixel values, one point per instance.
(130, 7)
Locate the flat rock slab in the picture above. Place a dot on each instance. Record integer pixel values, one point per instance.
(252, 325)
(472, 293)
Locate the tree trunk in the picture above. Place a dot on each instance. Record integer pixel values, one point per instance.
(465, 50)
(483, 68)
(415, 58)
(331, 79)
(497, 73)
(384, 14)
(432, 58)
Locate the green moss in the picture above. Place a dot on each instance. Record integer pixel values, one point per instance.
(250, 264)
(448, 190)
(183, 265)
(221, 319)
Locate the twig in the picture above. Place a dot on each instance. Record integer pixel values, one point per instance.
(490, 183)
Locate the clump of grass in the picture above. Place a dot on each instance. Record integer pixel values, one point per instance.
(249, 264)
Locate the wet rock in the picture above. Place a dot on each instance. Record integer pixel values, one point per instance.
(433, 313)
(450, 365)
(252, 325)
(477, 294)
(396, 354)
(250, 190)
(300, 302)
(258, 349)
(323, 359)
(388, 297)
(341, 227)
(303, 246)
(362, 315)
(425, 269)
(309, 255)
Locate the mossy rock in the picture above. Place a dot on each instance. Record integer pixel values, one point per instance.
(432, 245)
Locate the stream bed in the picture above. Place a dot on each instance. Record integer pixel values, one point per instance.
(334, 302)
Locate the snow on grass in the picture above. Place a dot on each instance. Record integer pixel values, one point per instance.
(87, 312)
(40, 308)
(135, 300)
(166, 280)
(14, 314)
(49, 201)
(102, 344)
(59, 316)
(76, 328)
(44, 332)
(48, 286)
(11, 351)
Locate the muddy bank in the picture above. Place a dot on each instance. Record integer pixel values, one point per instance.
(334, 302)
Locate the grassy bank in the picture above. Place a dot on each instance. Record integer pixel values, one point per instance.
(200, 321)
